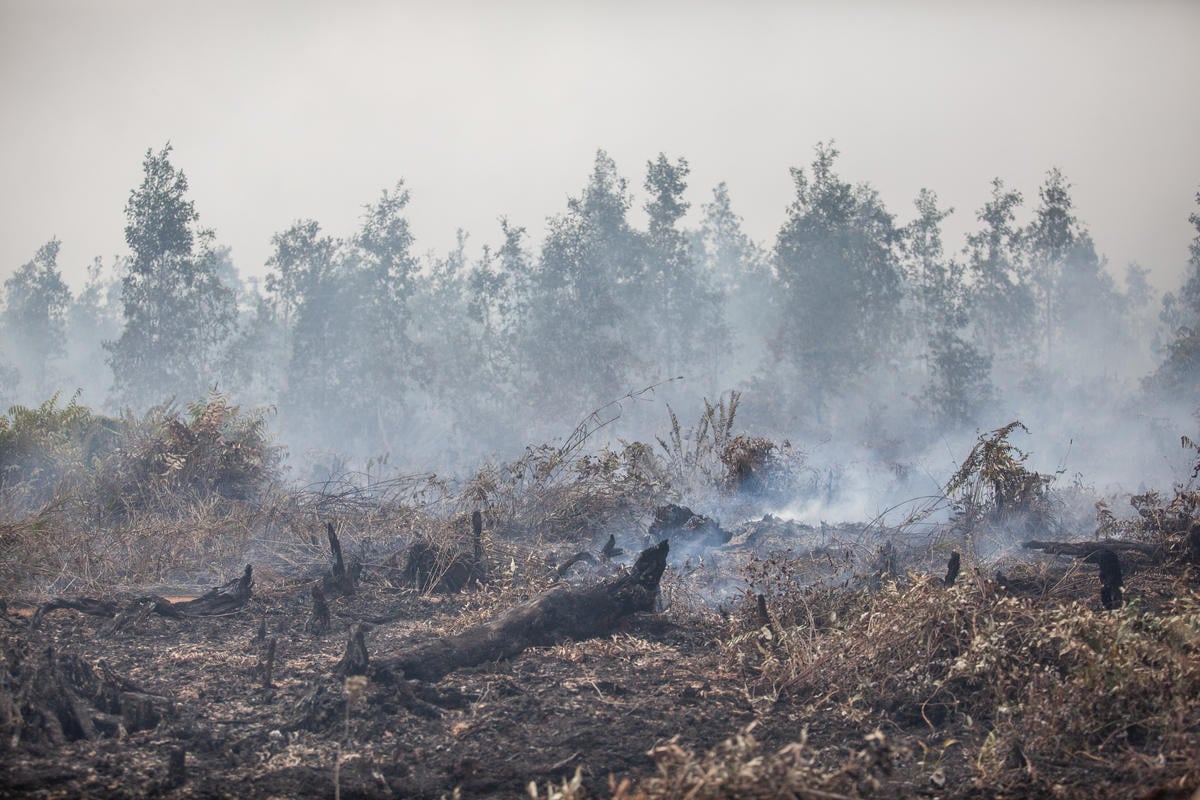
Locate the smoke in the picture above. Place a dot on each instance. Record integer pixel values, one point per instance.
(376, 357)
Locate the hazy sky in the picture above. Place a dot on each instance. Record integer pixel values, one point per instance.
(285, 110)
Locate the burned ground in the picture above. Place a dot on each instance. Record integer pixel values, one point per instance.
(779, 659)
(671, 687)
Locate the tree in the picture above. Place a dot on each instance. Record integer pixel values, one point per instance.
(498, 299)
(1051, 237)
(680, 304)
(741, 274)
(93, 319)
(958, 376)
(178, 313)
(302, 258)
(582, 337)
(836, 255)
(34, 317)
(1001, 301)
(352, 361)
(1178, 375)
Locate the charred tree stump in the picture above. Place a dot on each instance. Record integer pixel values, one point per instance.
(1110, 576)
(341, 581)
(1104, 555)
(481, 570)
(176, 768)
(764, 618)
(318, 623)
(354, 662)
(266, 664)
(561, 613)
(140, 712)
(952, 569)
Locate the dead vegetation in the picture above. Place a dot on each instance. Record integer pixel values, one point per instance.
(852, 662)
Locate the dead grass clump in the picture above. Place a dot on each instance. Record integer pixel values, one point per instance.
(547, 495)
(992, 488)
(51, 553)
(710, 456)
(740, 768)
(1036, 685)
(168, 458)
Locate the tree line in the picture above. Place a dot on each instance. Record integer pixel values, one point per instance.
(851, 318)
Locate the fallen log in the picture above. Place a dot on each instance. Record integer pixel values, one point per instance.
(223, 599)
(680, 523)
(1084, 549)
(562, 613)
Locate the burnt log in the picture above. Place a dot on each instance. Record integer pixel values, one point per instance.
(1084, 549)
(681, 523)
(559, 614)
(224, 599)
(87, 605)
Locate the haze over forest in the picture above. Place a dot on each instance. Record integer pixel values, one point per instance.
(863, 326)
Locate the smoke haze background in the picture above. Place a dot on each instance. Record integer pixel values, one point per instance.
(281, 112)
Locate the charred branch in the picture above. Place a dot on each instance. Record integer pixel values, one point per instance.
(224, 599)
(565, 567)
(1084, 549)
(610, 549)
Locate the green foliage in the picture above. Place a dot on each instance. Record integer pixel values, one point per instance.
(582, 334)
(34, 314)
(178, 313)
(1002, 300)
(109, 466)
(47, 450)
(679, 306)
(837, 260)
(1179, 374)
